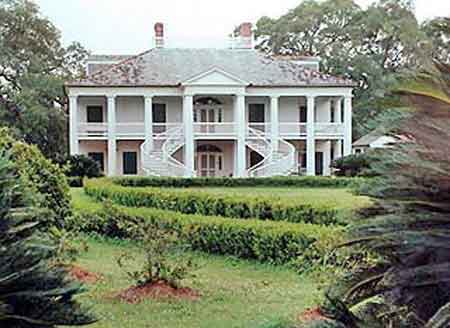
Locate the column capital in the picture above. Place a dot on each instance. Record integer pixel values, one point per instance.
(111, 96)
(275, 97)
(311, 96)
(149, 96)
(73, 97)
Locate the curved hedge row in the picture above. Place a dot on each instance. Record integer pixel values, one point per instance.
(187, 202)
(301, 181)
(273, 242)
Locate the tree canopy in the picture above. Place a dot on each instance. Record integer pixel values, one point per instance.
(33, 67)
(372, 46)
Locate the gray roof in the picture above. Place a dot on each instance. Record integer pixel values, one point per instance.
(171, 67)
(367, 139)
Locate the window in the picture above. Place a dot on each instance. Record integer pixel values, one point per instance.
(159, 113)
(94, 114)
(256, 113)
(130, 162)
(302, 114)
(99, 158)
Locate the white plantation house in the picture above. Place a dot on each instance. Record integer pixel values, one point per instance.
(210, 112)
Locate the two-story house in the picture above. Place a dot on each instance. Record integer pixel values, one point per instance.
(210, 112)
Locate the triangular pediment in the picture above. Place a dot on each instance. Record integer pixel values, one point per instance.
(215, 76)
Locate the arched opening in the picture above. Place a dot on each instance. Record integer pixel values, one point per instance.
(209, 161)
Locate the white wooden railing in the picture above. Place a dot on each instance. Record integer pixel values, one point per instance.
(222, 129)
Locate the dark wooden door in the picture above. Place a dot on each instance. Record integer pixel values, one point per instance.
(130, 162)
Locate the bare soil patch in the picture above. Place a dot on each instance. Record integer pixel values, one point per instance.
(311, 315)
(157, 290)
(83, 275)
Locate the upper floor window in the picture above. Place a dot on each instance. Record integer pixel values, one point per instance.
(159, 113)
(302, 114)
(256, 113)
(94, 114)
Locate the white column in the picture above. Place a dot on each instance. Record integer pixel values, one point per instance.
(274, 121)
(347, 125)
(327, 158)
(148, 118)
(337, 110)
(310, 137)
(337, 149)
(73, 117)
(112, 144)
(239, 118)
(188, 121)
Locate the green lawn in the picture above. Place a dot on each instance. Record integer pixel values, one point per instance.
(340, 198)
(235, 293)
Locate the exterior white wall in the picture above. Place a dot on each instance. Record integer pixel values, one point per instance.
(129, 109)
(83, 102)
(174, 108)
(125, 146)
(289, 109)
(323, 110)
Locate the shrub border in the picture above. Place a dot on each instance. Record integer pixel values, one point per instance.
(202, 203)
(292, 181)
(265, 241)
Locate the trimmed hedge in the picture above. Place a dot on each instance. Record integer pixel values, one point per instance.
(188, 202)
(273, 242)
(306, 182)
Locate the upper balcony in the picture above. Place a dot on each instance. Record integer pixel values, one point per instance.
(213, 117)
(208, 130)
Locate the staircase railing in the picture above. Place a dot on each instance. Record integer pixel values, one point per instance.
(157, 155)
(283, 161)
(256, 137)
(172, 144)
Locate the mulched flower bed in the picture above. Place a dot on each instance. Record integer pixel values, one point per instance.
(83, 275)
(157, 290)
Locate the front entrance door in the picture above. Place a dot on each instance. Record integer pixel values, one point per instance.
(130, 163)
(209, 164)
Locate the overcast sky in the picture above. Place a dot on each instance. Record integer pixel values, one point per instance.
(126, 26)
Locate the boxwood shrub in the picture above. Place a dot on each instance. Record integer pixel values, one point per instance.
(293, 181)
(266, 241)
(203, 203)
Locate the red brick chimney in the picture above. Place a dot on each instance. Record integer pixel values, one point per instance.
(245, 38)
(159, 35)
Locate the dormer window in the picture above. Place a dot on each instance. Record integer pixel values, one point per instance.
(94, 114)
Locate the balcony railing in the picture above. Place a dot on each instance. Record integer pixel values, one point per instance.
(213, 129)
(326, 129)
(223, 129)
(130, 129)
(261, 127)
(94, 130)
(292, 129)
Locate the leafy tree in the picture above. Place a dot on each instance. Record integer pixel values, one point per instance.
(33, 67)
(370, 46)
(33, 293)
(83, 166)
(438, 30)
(409, 286)
(45, 179)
